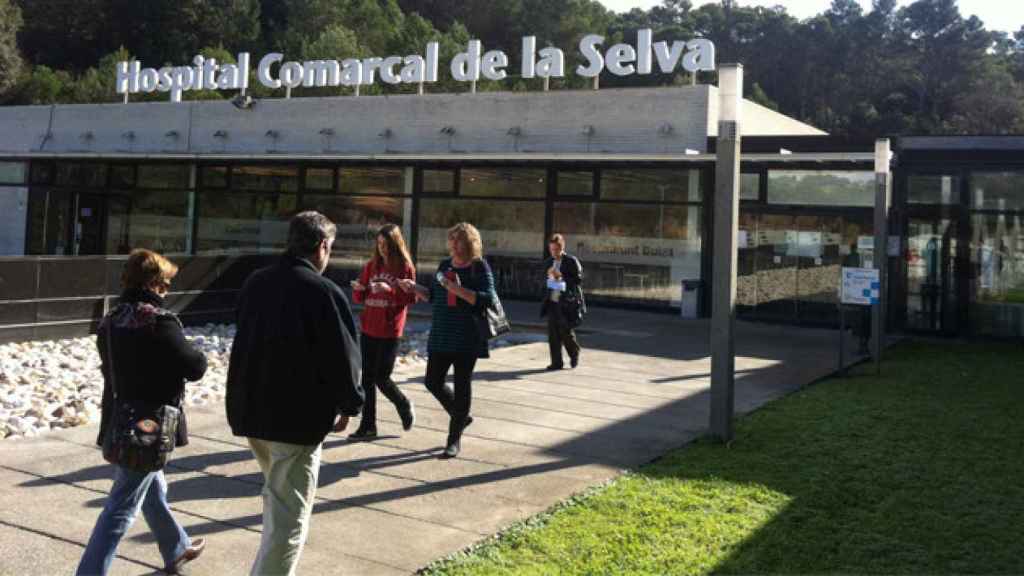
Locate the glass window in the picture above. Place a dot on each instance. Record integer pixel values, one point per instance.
(633, 251)
(438, 181)
(13, 218)
(43, 172)
(507, 182)
(213, 176)
(320, 179)
(81, 174)
(997, 253)
(57, 223)
(821, 188)
(266, 178)
(231, 221)
(36, 241)
(997, 190)
(651, 185)
(12, 172)
(512, 233)
(750, 186)
(575, 183)
(372, 180)
(164, 176)
(154, 219)
(122, 176)
(358, 218)
(933, 189)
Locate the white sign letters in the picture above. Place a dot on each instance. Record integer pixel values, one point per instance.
(273, 71)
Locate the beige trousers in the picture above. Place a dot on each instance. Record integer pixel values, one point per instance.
(289, 486)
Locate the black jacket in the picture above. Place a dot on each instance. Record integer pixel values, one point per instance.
(295, 361)
(572, 274)
(151, 358)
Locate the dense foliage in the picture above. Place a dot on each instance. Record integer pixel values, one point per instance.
(923, 68)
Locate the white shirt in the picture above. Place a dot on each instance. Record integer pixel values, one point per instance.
(556, 294)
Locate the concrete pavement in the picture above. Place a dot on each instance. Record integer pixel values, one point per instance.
(391, 506)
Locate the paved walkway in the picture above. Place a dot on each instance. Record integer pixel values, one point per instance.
(390, 506)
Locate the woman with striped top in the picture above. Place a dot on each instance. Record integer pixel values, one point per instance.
(462, 287)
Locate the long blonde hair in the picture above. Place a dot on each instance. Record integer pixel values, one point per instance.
(395, 242)
(469, 237)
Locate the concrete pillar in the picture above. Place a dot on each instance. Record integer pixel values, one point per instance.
(726, 219)
(883, 197)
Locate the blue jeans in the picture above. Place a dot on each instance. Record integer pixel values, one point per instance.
(132, 491)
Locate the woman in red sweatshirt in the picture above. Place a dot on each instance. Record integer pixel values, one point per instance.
(382, 321)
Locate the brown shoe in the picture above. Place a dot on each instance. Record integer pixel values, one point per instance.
(190, 554)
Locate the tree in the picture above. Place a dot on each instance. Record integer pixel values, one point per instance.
(10, 58)
(43, 86)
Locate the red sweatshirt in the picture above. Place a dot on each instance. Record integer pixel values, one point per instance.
(383, 313)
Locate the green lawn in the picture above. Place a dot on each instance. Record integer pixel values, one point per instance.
(919, 471)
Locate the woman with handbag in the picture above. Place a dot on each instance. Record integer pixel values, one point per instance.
(459, 292)
(382, 322)
(145, 363)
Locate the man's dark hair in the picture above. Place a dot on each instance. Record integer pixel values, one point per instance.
(306, 231)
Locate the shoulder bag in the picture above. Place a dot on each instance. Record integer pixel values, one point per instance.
(140, 435)
(491, 321)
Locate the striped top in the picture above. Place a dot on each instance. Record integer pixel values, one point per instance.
(452, 328)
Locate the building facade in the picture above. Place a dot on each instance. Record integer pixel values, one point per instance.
(626, 175)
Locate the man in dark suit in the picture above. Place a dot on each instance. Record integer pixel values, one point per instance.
(293, 378)
(563, 302)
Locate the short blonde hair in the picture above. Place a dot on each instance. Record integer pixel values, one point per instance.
(145, 268)
(557, 239)
(469, 237)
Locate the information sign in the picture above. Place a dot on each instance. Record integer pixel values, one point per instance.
(860, 286)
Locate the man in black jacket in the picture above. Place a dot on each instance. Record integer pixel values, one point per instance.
(293, 378)
(563, 302)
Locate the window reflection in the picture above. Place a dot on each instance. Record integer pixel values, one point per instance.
(372, 180)
(507, 182)
(320, 179)
(13, 172)
(575, 183)
(654, 185)
(997, 190)
(997, 256)
(89, 175)
(821, 188)
(233, 221)
(157, 220)
(164, 176)
(267, 178)
(357, 219)
(933, 189)
(750, 186)
(633, 251)
(512, 233)
(438, 181)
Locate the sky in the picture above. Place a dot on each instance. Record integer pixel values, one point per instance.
(1005, 15)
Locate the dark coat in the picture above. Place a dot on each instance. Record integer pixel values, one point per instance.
(295, 362)
(572, 274)
(151, 358)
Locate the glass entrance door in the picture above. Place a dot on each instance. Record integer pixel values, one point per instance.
(89, 236)
(933, 292)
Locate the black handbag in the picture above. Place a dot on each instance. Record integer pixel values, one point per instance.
(492, 321)
(140, 435)
(572, 309)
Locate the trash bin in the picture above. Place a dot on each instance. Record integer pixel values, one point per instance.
(689, 302)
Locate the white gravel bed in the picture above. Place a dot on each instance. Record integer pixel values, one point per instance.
(51, 385)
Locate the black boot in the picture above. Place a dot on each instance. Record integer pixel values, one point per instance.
(455, 429)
